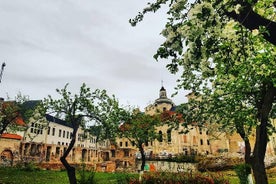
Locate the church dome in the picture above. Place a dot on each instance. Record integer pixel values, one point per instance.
(163, 97)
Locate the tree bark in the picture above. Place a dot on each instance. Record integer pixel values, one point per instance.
(251, 20)
(143, 156)
(71, 171)
(247, 156)
(257, 162)
(240, 130)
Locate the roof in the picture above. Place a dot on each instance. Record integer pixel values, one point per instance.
(31, 104)
(11, 136)
(57, 120)
(18, 119)
(162, 89)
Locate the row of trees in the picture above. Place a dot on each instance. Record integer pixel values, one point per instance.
(110, 120)
(226, 53)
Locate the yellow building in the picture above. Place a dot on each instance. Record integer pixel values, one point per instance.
(171, 142)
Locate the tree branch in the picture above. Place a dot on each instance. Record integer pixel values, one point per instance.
(251, 20)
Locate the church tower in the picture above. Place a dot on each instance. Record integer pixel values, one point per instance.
(161, 104)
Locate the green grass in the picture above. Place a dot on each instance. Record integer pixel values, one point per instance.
(14, 176)
(17, 176)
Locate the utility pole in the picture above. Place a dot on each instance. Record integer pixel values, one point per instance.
(2, 70)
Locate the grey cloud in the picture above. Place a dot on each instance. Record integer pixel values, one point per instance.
(47, 44)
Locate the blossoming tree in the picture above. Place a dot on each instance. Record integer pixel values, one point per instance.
(226, 53)
(77, 109)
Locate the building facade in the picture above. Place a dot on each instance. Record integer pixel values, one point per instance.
(46, 140)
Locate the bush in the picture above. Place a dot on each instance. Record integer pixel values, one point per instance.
(171, 178)
(218, 178)
(218, 163)
(242, 171)
(124, 178)
(27, 166)
(85, 176)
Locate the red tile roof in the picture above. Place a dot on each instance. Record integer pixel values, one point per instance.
(19, 121)
(11, 136)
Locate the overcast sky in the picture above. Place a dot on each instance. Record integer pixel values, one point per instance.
(48, 43)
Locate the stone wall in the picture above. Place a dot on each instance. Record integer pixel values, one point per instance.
(9, 151)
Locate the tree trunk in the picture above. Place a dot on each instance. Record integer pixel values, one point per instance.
(241, 131)
(247, 151)
(143, 157)
(264, 109)
(257, 161)
(71, 171)
(247, 154)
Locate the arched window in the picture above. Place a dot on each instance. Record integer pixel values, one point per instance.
(160, 136)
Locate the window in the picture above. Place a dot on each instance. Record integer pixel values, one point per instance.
(208, 142)
(36, 128)
(169, 135)
(201, 142)
(67, 135)
(200, 130)
(112, 153)
(126, 153)
(53, 132)
(126, 143)
(146, 143)
(79, 137)
(57, 151)
(49, 128)
(59, 133)
(63, 134)
(121, 144)
(160, 136)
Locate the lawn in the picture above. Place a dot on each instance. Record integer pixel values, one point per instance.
(17, 176)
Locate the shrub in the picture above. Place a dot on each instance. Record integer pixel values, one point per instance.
(218, 163)
(85, 176)
(218, 178)
(179, 178)
(27, 166)
(124, 178)
(243, 170)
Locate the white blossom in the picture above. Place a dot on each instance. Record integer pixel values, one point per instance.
(237, 8)
(229, 30)
(255, 32)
